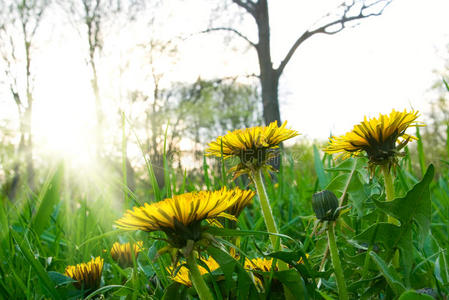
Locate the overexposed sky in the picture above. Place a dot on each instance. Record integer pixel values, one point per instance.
(386, 62)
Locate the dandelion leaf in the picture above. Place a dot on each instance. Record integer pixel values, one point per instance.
(392, 277)
(414, 207)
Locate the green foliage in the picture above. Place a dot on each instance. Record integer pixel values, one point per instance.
(43, 234)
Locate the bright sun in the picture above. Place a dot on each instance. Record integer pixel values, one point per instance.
(63, 116)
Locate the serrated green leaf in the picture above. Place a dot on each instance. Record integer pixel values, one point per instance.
(415, 206)
(392, 237)
(381, 233)
(392, 277)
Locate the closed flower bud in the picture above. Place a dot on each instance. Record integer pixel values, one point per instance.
(325, 205)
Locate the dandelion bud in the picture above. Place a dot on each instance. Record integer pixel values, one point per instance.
(325, 205)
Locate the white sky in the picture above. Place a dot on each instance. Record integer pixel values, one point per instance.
(330, 84)
(386, 62)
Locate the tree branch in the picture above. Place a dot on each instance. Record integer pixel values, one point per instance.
(326, 29)
(238, 33)
(249, 6)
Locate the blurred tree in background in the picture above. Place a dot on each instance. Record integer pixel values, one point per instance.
(194, 114)
(19, 25)
(436, 131)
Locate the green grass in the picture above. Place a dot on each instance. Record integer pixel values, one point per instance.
(60, 225)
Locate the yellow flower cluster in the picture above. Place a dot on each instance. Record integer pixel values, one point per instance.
(180, 216)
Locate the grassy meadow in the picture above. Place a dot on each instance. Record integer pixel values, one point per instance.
(59, 225)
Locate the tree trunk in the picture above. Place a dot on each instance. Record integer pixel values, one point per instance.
(13, 185)
(29, 116)
(270, 83)
(269, 77)
(98, 109)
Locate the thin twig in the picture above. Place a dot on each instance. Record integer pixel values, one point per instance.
(235, 31)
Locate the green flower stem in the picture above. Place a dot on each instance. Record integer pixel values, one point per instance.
(198, 282)
(389, 190)
(341, 284)
(266, 209)
(388, 180)
(268, 214)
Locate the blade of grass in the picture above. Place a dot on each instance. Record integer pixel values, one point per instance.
(421, 155)
(168, 190)
(36, 265)
(323, 179)
(150, 170)
(206, 173)
(50, 196)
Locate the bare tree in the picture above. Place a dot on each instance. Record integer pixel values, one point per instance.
(332, 23)
(92, 19)
(19, 23)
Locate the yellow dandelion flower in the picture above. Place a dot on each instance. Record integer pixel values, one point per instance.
(263, 265)
(381, 138)
(87, 275)
(182, 275)
(180, 216)
(254, 146)
(245, 199)
(301, 261)
(123, 253)
(259, 264)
